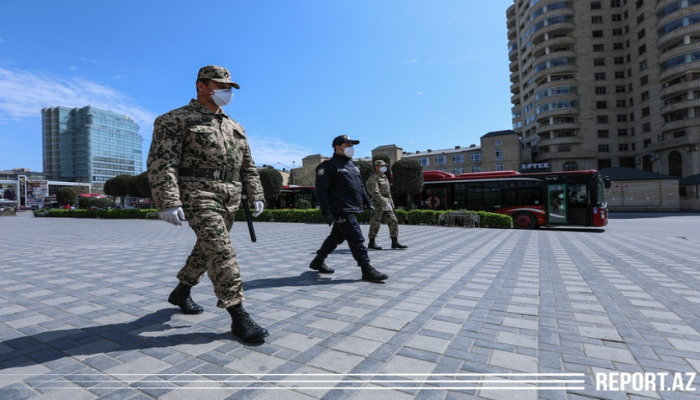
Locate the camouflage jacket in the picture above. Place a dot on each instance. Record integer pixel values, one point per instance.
(379, 191)
(195, 137)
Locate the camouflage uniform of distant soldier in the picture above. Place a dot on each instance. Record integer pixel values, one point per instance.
(198, 165)
(379, 191)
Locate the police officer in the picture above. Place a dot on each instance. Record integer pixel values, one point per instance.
(198, 166)
(380, 192)
(341, 195)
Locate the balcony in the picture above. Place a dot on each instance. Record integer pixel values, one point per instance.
(679, 70)
(669, 127)
(672, 90)
(681, 105)
(560, 141)
(679, 33)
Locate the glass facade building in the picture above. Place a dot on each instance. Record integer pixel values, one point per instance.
(90, 145)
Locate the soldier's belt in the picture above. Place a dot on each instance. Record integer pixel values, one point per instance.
(210, 173)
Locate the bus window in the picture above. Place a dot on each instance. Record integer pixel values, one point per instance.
(557, 204)
(577, 193)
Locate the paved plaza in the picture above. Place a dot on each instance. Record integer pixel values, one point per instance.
(466, 313)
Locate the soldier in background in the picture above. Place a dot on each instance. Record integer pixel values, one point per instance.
(379, 191)
(198, 166)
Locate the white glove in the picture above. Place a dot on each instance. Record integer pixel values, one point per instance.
(172, 215)
(387, 207)
(259, 207)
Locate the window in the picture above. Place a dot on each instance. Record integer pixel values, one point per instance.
(646, 127)
(620, 89)
(595, 5)
(597, 19)
(619, 60)
(458, 170)
(600, 76)
(424, 161)
(476, 168)
(604, 163)
(615, 3)
(601, 104)
(602, 119)
(645, 96)
(458, 159)
(499, 154)
(622, 132)
(642, 49)
(643, 65)
(619, 74)
(603, 148)
(640, 19)
(623, 147)
(440, 160)
(621, 118)
(617, 17)
(618, 46)
(641, 34)
(597, 34)
(644, 80)
(621, 103)
(599, 62)
(600, 90)
(476, 157)
(598, 47)
(647, 143)
(617, 32)
(645, 112)
(603, 134)
(499, 167)
(640, 3)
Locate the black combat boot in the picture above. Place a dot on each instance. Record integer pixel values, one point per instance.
(181, 297)
(373, 245)
(318, 264)
(396, 245)
(243, 326)
(371, 274)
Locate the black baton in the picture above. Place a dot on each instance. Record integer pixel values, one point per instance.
(246, 208)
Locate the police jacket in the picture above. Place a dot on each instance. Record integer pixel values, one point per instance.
(339, 186)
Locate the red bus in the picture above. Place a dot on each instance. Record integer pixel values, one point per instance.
(291, 195)
(532, 199)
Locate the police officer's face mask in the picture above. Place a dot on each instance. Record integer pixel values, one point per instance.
(349, 152)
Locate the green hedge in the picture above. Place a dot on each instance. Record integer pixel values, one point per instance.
(105, 214)
(414, 217)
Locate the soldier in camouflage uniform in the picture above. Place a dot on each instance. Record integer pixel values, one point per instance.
(198, 166)
(380, 192)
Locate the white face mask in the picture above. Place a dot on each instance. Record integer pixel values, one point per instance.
(382, 169)
(349, 152)
(222, 96)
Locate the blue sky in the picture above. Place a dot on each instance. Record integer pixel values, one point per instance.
(416, 73)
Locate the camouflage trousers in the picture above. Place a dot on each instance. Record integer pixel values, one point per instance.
(383, 217)
(213, 254)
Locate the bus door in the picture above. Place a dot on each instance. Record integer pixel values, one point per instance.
(556, 204)
(434, 198)
(577, 197)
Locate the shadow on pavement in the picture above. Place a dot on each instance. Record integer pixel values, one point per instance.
(50, 346)
(308, 278)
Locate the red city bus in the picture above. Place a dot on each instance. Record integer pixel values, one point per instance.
(574, 198)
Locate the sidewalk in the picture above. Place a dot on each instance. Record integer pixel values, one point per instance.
(466, 313)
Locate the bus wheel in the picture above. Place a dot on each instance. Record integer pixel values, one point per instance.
(524, 220)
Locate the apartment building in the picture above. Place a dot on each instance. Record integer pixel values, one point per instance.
(609, 83)
(89, 144)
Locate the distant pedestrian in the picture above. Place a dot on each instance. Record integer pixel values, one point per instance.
(379, 190)
(199, 165)
(341, 195)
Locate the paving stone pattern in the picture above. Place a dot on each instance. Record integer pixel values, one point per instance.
(466, 313)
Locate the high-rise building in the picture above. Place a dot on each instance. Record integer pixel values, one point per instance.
(90, 145)
(612, 83)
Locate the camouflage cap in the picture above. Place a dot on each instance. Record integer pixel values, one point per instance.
(379, 163)
(216, 74)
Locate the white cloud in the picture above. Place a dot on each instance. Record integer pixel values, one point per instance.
(275, 152)
(19, 99)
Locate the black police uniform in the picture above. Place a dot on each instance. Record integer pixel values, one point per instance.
(342, 195)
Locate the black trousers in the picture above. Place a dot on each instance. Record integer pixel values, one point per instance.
(346, 227)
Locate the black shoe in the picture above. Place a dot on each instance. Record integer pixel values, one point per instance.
(396, 245)
(181, 297)
(318, 264)
(373, 245)
(371, 274)
(244, 327)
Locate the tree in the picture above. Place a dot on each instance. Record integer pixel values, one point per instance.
(132, 187)
(408, 180)
(271, 180)
(143, 185)
(117, 186)
(65, 196)
(366, 169)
